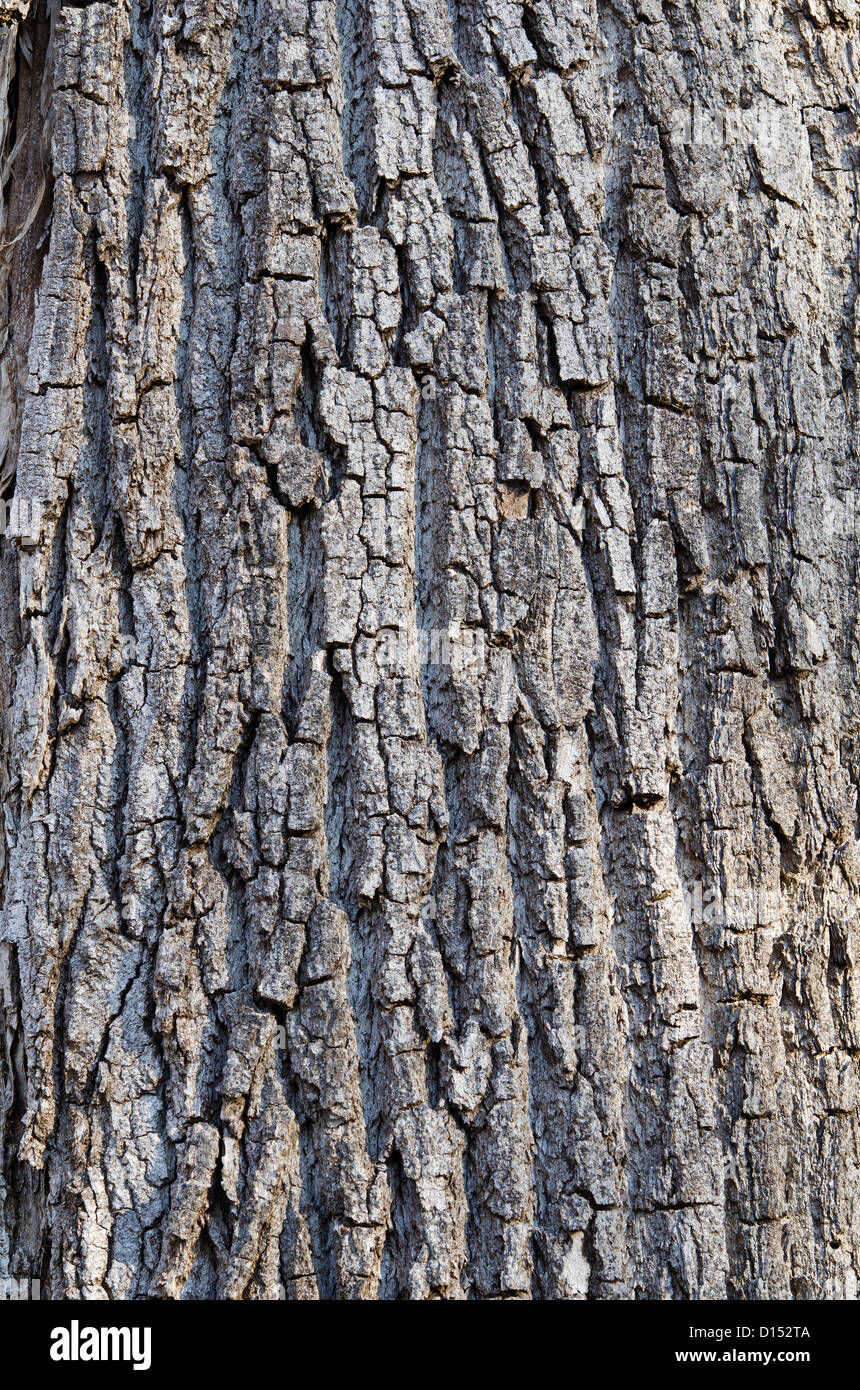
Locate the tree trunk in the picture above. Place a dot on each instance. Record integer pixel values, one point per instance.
(430, 721)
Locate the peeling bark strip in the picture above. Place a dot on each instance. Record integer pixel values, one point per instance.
(430, 722)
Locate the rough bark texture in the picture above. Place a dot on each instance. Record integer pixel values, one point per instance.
(430, 727)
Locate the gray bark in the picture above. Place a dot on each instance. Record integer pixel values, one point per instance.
(430, 723)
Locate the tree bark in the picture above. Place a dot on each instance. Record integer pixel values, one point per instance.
(430, 720)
